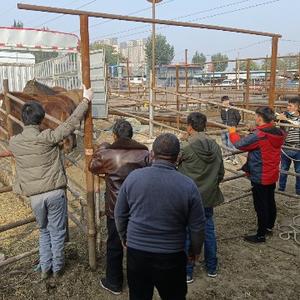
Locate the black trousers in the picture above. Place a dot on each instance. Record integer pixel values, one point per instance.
(114, 255)
(265, 206)
(166, 272)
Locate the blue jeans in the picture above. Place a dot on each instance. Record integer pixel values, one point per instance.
(210, 245)
(50, 210)
(227, 143)
(285, 165)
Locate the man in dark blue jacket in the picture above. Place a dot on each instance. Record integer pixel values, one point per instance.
(154, 206)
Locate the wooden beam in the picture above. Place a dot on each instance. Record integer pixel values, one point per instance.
(66, 11)
(88, 141)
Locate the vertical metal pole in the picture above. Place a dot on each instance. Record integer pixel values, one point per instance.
(88, 142)
(153, 46)
(272, 89)
(177, 95)
(213, 83)
(247, 95)
(238, 72)
(152, 76)
(266, 73)
(151, 129)
(128, 77)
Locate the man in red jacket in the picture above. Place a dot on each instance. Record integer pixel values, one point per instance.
(264, 147)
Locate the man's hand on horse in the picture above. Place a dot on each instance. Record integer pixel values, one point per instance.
(88, 94)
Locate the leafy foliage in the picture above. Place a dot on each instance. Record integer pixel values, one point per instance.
(199, 59)
(111, 56)
(220, 62)
(164, 52)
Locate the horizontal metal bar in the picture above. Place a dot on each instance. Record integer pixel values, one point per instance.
(66, 11)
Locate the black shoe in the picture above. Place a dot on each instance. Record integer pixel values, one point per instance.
(112, 289)
(254, 239)
(189, 279)
(58, 273)
(281, 189)
(45, 275)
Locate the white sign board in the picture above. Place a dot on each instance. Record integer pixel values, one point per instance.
(37, 39)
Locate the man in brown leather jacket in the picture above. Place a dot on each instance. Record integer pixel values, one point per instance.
(116, 161)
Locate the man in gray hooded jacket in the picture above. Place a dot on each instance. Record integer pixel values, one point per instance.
(201, 160)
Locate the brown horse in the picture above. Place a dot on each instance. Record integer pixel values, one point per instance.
(58, 105)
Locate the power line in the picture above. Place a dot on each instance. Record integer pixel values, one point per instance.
(133, 13)
(182, 17)
(130, 14)
(234, 49)
(60, 16)
(8, 10)
(197, 19)
(291, 41)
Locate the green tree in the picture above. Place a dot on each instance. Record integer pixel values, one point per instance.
(199, 59)
(41, 56)
(253, 66)
(164, 52)
(283, 64)
(220, 62)
(111, 56)
(18, 24)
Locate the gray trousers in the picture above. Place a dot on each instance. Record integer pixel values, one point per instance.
(50, 210)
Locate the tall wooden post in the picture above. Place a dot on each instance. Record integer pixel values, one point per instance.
(177, 97)
(272, 88)
(186, 75)
(8, 121)
(299, 75)
(88, 141)
(236, 76)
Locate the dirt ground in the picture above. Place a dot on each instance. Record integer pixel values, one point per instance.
(246, 271)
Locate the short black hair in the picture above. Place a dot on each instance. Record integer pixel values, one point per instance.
(294, 100)
(266, 113)
(225, 98)
(166, 146)
(33, 113)
(197, 121)
(123, 129)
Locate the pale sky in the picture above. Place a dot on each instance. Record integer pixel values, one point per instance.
(277, 16)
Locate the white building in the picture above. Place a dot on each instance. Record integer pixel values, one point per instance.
(133, 50)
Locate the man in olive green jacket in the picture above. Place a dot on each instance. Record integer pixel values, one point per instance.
(40, 175)
(201, 159)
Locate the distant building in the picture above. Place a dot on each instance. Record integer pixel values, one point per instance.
(133, 50)
(209, 67)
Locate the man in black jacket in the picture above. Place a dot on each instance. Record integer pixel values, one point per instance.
(154, 207)
(230, 117)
